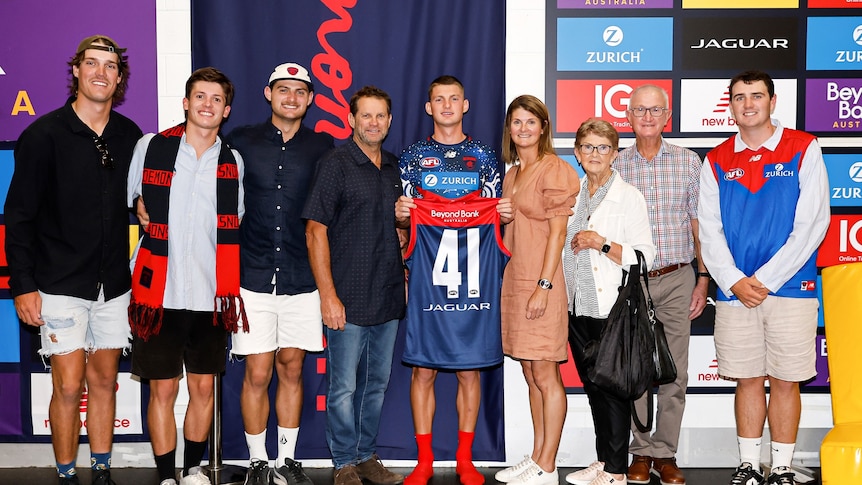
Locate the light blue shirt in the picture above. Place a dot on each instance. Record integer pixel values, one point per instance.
(191, 279)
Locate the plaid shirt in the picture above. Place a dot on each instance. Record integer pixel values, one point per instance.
(670, 185)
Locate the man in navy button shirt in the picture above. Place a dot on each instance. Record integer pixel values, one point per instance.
(356, 260)
(281, 298)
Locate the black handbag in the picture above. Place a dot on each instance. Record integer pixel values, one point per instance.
(632, 354)
(623, 357)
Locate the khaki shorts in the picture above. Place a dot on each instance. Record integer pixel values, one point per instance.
(776, 338)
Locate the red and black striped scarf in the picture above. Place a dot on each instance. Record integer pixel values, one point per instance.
(151, 266)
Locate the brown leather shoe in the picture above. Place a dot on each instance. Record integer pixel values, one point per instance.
(639, 471)
(374, 471)
(667, 471)
(346, 476)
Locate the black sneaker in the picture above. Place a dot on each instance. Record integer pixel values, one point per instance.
(781, 476)
(258, 473)
(70, 480)
(746, 475)
(103, 477)
(290, 474)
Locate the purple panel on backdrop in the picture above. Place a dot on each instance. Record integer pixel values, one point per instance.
(10, 404)
(36, 74)
(833, 105)
(603, 4)
(822, 366)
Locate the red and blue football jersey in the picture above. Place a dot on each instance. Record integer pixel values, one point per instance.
(456, 259)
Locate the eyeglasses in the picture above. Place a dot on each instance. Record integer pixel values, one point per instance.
(655, 111)
(107, 160)
(587, 149)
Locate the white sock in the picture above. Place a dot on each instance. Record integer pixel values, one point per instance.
(782, 454)
(256, 446)
(286, 444)
(749, 451)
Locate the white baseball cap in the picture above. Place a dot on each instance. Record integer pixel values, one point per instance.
(291, 70)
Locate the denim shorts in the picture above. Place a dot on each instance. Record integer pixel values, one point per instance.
(74, 323)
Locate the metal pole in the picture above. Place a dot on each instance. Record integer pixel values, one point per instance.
(220, 473)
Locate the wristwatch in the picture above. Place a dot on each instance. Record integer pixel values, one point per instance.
(606, 247)
(545, 284)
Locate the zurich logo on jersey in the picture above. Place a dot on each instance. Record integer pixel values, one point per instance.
(733, 174)
(429, 162)
(777, 170)
(467, 181)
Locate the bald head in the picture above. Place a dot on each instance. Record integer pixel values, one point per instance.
(648, 112)
(651, 89)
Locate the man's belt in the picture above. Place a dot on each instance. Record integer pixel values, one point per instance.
(667, 269)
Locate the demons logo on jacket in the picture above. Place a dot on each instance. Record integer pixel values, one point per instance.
(456, 259)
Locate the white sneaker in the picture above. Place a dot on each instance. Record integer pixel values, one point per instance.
(586, 475)
(168, 481)
(534, 475)
(196, 476)
(604, 478)
(508, 474)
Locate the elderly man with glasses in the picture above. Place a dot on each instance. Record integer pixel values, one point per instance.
(668, 177)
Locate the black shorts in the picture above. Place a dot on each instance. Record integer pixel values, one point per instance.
(186, 337)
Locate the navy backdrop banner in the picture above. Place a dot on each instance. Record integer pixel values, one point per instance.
(398, 46)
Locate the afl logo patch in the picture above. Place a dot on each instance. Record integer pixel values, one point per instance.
(734, 173)
(429, 162)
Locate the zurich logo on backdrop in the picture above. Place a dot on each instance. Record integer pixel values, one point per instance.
(615, 44)
(834, 43)
(845, 179)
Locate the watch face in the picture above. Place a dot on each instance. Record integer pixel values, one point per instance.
(606, 248)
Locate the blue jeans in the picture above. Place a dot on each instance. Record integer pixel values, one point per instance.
(358, 363)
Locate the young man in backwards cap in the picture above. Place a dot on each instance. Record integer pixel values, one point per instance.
(281, 298)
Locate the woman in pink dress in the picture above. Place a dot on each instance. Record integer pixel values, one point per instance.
(542, 188)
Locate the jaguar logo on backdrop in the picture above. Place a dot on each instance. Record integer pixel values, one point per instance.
(712, 43)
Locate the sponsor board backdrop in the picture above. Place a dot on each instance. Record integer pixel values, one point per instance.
(598, 51)
(35, 45)
(826, 83)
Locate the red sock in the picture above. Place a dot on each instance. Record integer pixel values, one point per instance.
(467, 473)
(425, 467)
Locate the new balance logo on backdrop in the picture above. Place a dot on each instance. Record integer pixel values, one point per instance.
(704, 105)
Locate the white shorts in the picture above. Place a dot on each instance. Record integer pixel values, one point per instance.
(74, 323)
(279, 322)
